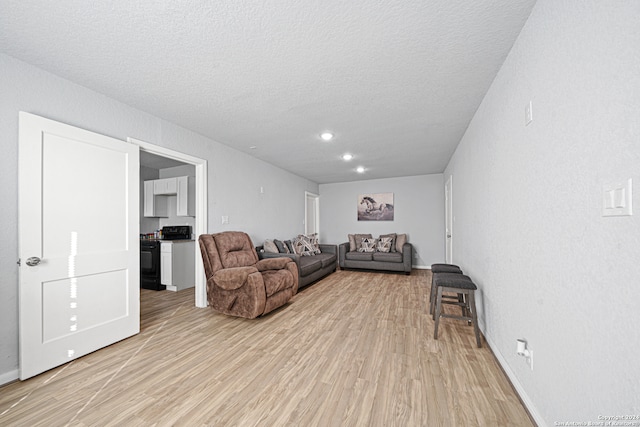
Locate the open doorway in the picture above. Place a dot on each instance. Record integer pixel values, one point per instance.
(153, 156)
(311, 213)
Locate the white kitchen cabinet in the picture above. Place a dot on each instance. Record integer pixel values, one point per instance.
(165, 187)
(158, 192)
(177, 264)
(186, 196)
(153, 206)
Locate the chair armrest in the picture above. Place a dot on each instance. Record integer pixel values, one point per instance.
(232, 278)
(272, 263)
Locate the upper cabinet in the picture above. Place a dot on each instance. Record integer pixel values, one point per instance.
(165, 186)
(186, 205)
(157, 192)
(154, 206)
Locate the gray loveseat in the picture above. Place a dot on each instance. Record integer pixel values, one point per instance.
(310, 268)
(394, 260)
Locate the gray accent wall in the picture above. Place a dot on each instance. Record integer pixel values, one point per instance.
(528, 210)
(418, 206)
(234, 178)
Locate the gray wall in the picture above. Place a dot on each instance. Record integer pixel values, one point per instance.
(419, 212)
(528, 210)
(234, 177)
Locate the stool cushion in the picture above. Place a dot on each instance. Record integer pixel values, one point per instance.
(445, 265)
(445, 268)
(453, 280)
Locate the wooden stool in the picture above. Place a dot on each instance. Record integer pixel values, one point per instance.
(440, 268)
(461, 285)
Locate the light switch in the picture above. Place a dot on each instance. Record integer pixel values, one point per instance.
(225, 219)
(616, 199)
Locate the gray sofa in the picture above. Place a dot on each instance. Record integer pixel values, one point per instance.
(310, 268)
(391, 261)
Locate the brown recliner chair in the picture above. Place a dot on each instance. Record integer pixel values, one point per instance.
(238, 283)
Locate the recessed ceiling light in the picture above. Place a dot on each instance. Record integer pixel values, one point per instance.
(347, 157)
(360, 169)
(326, 136)
(253, 147)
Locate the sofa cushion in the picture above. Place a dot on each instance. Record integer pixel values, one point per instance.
(384, 244)
(327, 259)
(387, 256)
(367, 245)
(309, 264)
(359, 256)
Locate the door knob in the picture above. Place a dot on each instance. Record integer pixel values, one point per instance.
(448, 236)
(33, 261)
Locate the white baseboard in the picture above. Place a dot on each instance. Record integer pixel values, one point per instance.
(516, 384)
(421, 267)
(8, 377)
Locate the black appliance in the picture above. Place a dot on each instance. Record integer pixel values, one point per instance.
(176, 232)
(150, 265)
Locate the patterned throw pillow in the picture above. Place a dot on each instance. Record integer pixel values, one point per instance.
(358, 238)
(367, 245)
(306, 245)
(384, 244)
(313, 239)
(393, 240)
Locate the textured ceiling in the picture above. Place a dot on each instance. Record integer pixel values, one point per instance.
(397, 81)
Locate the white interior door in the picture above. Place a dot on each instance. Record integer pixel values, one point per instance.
(312, 213)
(78, 213)
(448, 219)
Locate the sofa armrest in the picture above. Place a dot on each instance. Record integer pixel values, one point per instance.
(407, 257)
(329, 249)
(343, 248)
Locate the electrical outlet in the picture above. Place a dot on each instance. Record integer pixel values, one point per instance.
(225, 219)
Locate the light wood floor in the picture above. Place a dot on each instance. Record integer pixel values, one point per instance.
(355, 349)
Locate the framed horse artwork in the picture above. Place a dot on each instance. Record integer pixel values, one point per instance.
(375, 207)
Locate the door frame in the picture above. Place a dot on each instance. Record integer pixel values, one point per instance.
(201, 205)
(316, 197)
(448, 220)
